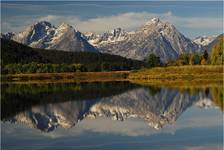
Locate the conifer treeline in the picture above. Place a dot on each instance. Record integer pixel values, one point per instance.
(18, 58)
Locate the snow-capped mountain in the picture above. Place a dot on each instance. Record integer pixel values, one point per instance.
(157, 109)
(155, 36)
(7, 35)
(204, 40)
(112, 36)
(44, 35)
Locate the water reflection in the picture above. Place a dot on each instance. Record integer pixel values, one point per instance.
(46, 107)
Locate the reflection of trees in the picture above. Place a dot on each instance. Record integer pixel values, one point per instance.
(16, 98)
(217, 96)
(153, 90)
(22, 89)
(216, 92)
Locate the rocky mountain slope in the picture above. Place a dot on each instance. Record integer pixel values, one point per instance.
(44, 35)
(155, 36)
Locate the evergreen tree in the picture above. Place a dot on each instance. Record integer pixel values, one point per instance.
(152, 61)
(205, 55)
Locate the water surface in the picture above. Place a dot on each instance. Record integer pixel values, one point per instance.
(110, 115)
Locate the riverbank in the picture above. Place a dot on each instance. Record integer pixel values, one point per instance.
(65, 77)
(167, 76)
(179, 76)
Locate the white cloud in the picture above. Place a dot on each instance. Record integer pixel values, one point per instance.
(132, 20)
(128, 21)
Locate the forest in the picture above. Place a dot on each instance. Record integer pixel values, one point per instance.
(18, 58)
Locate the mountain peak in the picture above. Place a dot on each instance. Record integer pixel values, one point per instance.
(65, 25)
(43, 23)
(117, 32)
(116, 29)
(204, 40)
(112, 36)
(7, 35)
(153, 21)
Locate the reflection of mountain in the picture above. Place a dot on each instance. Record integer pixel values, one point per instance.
(48, 117)
(18, 98)
(157, 107)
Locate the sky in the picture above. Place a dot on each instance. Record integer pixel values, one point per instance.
(192, 18)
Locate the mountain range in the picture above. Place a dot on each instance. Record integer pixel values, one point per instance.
(155, 36)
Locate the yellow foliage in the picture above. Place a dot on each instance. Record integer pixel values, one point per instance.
(217, 55)
(217, 96)
(203, 61)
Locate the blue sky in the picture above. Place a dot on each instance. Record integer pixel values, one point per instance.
(192, 18)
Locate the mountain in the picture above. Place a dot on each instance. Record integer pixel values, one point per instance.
(44, 35)
(204, 40)
(107, 37)
(155, 36)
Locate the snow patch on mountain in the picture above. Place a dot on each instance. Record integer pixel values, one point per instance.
(204, 40)
(107, 37)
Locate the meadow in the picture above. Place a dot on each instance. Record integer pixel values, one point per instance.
(179, 75)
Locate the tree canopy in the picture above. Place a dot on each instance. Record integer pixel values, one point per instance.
(217, 56)
(17, 55)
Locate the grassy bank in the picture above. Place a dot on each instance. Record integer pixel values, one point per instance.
(169, 76)
(65, 77)
(179, 76)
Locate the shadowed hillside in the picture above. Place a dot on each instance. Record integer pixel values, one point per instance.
(15, 53)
